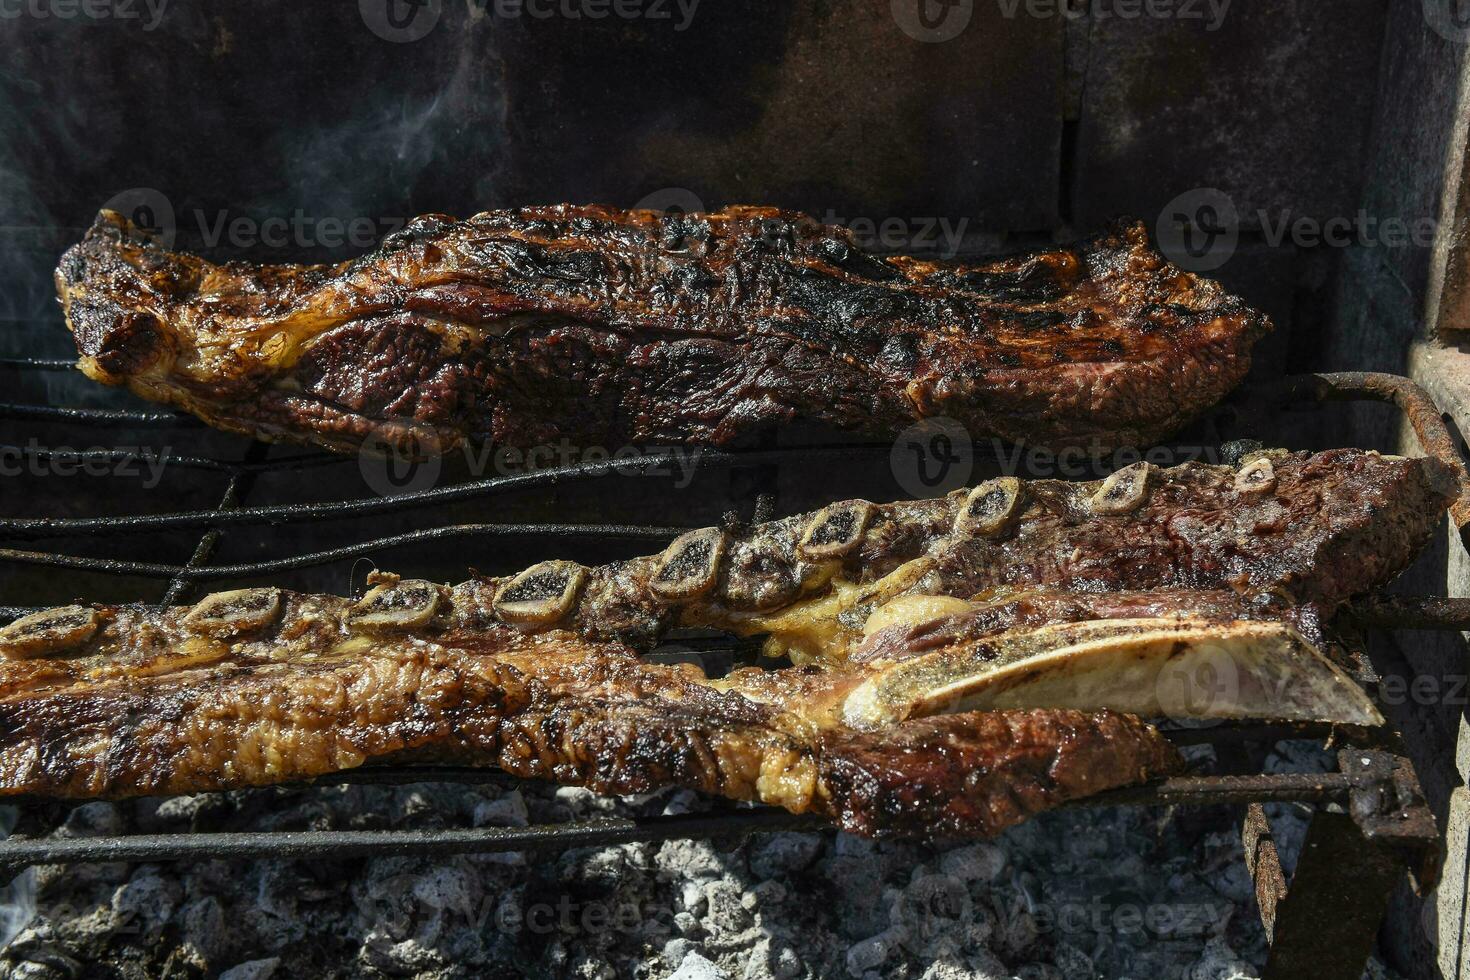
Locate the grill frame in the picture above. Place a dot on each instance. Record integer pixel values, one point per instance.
(1370, 811)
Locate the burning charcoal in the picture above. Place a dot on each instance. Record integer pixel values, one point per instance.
(262, 969)
(726, 911)
(772, 855)
(974, 862)
(204, 927)
(146, 902)
(868, 954)
(693, 898)
(508, 811)
(93, 820)
(696, 967)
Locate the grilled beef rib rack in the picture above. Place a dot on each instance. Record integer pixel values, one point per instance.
(611, 327)
(258, 685)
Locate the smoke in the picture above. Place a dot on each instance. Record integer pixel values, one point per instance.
(18, 898)
(403, 151)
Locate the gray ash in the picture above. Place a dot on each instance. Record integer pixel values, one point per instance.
(1130, 892)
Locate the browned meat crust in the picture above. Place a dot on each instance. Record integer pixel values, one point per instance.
(264, 685)
(553, 707)
(604, 327)
(1199, 540)
(1329, 526)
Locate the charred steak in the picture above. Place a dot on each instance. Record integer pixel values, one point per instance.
(606, 327)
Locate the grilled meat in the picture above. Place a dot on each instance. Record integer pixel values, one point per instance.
(263, 686)
(1287, 534)
(994, 631)
(606, 327)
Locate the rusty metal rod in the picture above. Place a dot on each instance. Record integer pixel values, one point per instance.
(1423, 414)
(1411, 612)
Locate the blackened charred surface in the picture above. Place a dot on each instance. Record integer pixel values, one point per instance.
(120, 342)
(602, 325)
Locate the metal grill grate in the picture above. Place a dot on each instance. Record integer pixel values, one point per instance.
(1390, 817)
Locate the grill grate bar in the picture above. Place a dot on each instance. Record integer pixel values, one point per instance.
(194, 572)
(363, 507)
(239, 485)
(284, 463)
(38, 363)
(18, 853)
(96, 416)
